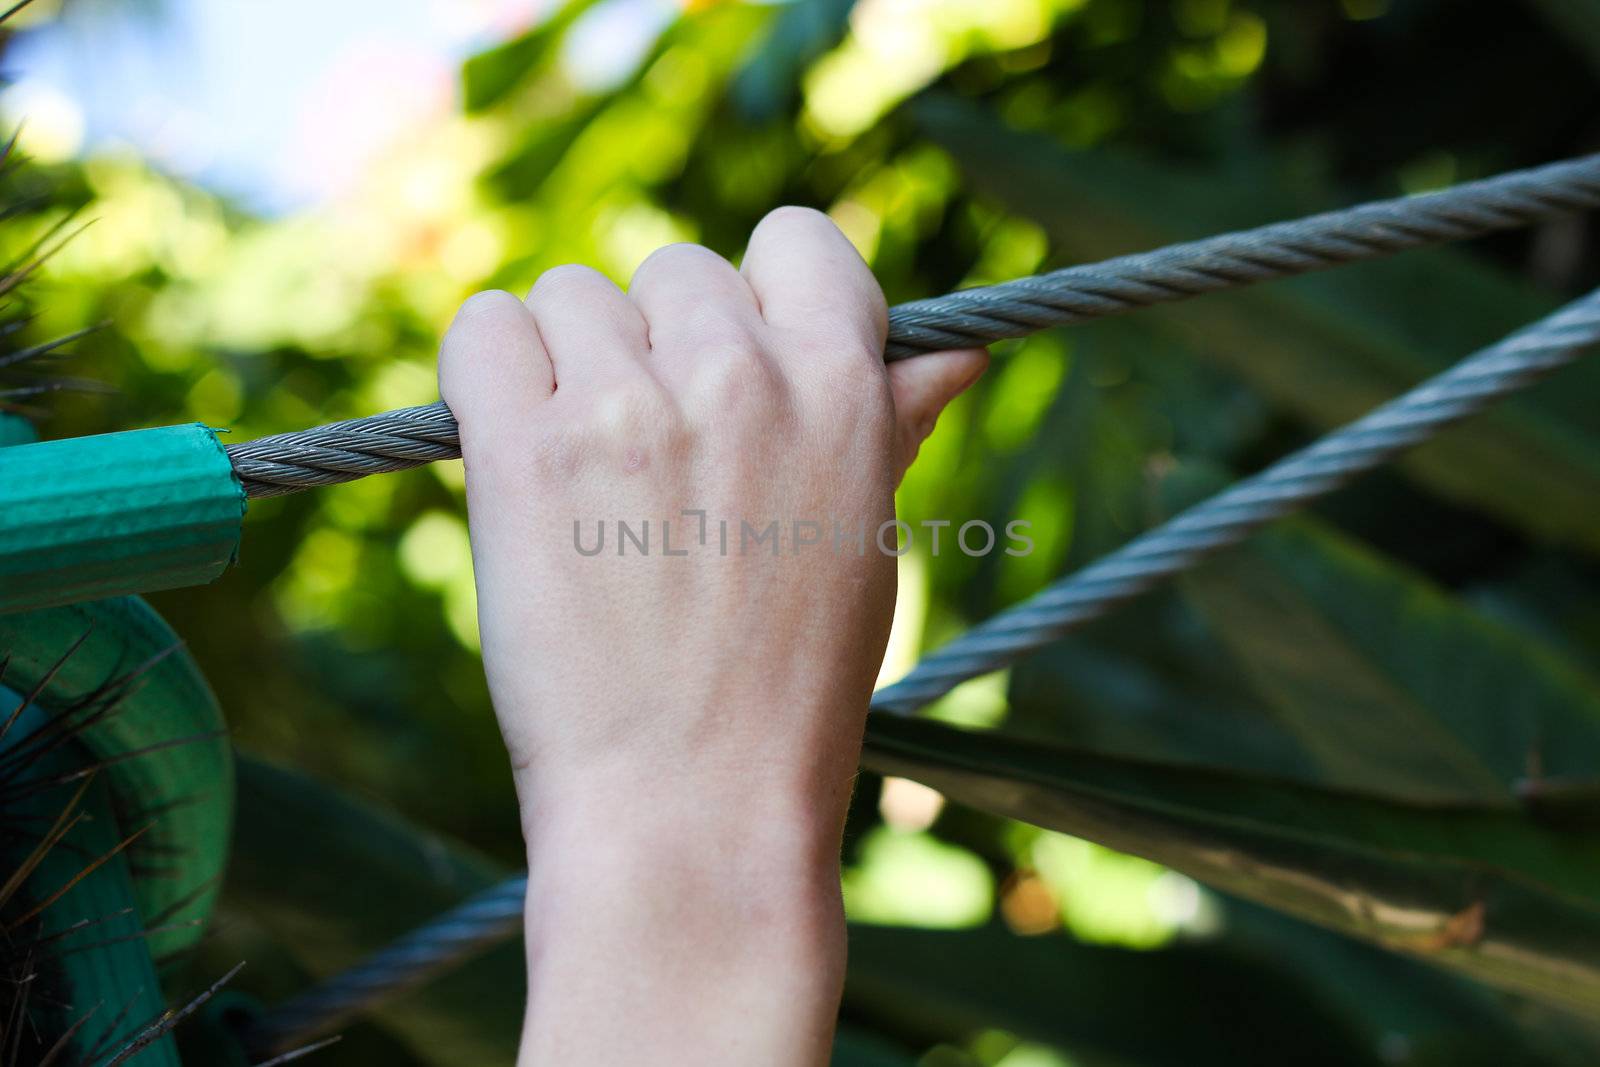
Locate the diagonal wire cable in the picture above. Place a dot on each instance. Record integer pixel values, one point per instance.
(482, 920)
(1471, 385)
(1506, 367)
(398, 440)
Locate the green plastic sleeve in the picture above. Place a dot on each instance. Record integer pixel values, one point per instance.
(91, 517)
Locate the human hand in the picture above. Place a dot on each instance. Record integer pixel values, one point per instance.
(686, 700)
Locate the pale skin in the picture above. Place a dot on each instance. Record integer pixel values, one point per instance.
(684, 730)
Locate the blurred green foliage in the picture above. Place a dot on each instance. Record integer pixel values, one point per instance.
(1394, 700)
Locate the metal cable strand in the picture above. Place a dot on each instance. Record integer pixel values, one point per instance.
(482, 920)
(973, 317)
(1225, 519)
(1232, 515)
(345, 451)
(397, 440)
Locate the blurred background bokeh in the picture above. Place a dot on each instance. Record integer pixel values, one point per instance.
(287, 201)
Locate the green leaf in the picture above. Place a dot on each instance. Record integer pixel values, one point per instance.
(1399, 1003)
(1391, 684)
(1578, 22)
(1488, 892)
(1150, 681)
(766, 86)
(1096, 1003)
(1328, 346)
(529, 163)
(489, 77)
(609, 120)
(852, 1048)
(949, 985)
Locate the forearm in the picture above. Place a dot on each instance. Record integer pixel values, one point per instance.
(681, 922)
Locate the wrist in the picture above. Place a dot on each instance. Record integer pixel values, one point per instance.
(776, 787)
(758, 827)
(717, 906)
(742, 845)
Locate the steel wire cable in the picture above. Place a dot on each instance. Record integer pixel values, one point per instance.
(1232, 515)
(479, 922)
(397, 440)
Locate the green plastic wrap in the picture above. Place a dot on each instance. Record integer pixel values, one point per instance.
(168, 761)
(92, 517)
(101, 962)
(16, 430)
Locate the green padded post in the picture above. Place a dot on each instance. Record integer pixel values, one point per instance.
(91, 517)
(16, 430)
(105, 967)
(181, 782)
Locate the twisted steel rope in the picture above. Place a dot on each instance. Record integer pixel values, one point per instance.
(1510, 365)
(397, 440)
(480, 921)
(1229, 517)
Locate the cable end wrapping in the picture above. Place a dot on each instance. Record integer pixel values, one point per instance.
(92, 517)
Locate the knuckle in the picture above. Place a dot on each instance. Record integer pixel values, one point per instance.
(477, 311)
(490, 303)
(711, 332)
(729, 379)
(559, 282)
(680, 256)
(794, 215)
(637, 414)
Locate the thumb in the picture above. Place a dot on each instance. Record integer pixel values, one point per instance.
(922, 386)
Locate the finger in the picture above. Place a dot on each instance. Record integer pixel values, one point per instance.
(811, 281)
(493, 369)
(594, 333)
(922, 386)
(692, 298)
